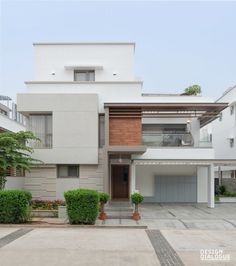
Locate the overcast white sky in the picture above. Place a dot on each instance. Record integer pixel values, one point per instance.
(177, 43)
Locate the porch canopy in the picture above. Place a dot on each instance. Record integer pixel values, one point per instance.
(205, 112)
(202, 162)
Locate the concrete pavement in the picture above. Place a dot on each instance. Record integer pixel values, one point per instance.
(73, 246)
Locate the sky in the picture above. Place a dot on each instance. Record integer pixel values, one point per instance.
(178, 44)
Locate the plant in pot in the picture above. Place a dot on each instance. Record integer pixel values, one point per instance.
(137, 199)
(103, 199)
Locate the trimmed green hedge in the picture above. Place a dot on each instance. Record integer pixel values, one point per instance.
(82, 206)
(14, 206)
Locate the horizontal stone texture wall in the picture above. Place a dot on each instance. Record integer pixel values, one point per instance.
(41, 182)
(92, 176)
(125, 131)
(230, 184)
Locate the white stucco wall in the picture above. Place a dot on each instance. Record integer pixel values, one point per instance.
(74, 122)
(225, 129)
(10, 125)
(117, 58)
(177, 153)
(145, 175)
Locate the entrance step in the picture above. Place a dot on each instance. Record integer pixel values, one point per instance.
(119, 210)
(120, 203)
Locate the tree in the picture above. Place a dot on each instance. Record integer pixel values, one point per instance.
(192, 90)
(15, 154)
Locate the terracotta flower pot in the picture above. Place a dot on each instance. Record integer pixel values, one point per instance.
(102, 215)
(136, 216)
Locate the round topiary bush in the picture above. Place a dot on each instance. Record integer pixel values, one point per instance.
(103, 197)
(82, 206)
(137, 198)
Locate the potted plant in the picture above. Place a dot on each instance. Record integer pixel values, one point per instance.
(136, 200)
(103, 199)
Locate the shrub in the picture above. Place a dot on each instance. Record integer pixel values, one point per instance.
(82, 206)
(222, 190)
(103, 197)
(193, 90)
(14, 206)
(229, 194)
(137, 198)
(46, 204)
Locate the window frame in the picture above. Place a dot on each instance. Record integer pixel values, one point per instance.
(43, 144)
(100, 145)
(86, 72)
(68, 165)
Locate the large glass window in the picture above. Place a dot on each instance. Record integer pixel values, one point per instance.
(101, 131)
(84, 75)
(68, 171)
(41, 126)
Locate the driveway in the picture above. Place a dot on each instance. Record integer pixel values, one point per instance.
(189, 216)
(175, 235)
(106, 247)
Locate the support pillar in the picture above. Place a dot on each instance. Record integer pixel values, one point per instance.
(211, 186)
(133, 177)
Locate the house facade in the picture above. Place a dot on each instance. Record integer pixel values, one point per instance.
(99, 131)
(223, 132)
(10, 119)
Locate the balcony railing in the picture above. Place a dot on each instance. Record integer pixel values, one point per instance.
(167, 139)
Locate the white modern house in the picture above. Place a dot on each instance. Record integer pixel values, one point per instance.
(10, 119)
(99, 131)
(223, 132)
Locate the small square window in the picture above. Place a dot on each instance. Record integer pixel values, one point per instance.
(231, 143)
(68, 171)
(232, 109)
(220, 116)
(84, 75)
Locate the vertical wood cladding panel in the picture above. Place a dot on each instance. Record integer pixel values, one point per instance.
(125, 131)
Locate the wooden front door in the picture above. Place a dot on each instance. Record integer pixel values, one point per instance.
(120, 181)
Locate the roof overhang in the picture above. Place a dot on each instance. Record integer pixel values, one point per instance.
(127, 149)
(205, 112)
(216, 162)
(76, 66)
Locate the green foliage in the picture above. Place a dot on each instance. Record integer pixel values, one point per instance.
(46, 204)
(229, 194)
(137, 198)
(82, 206)
(193, 90)
(103, 197)
(14, 206)
(14, 153)
(222, 190)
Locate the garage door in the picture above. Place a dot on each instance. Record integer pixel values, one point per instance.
(176, 189)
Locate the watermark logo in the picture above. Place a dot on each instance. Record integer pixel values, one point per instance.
(214, 255)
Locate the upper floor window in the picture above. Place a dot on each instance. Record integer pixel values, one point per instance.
(3, 112)
(231, 142)
(41, 126)
(68, 170)
(232, 109)
(220, 116)
(84, 75)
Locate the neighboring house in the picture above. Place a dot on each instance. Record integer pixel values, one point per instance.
(99, 131)
(224, 139)
(11, 121)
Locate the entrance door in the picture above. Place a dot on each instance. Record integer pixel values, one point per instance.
(120, 181)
